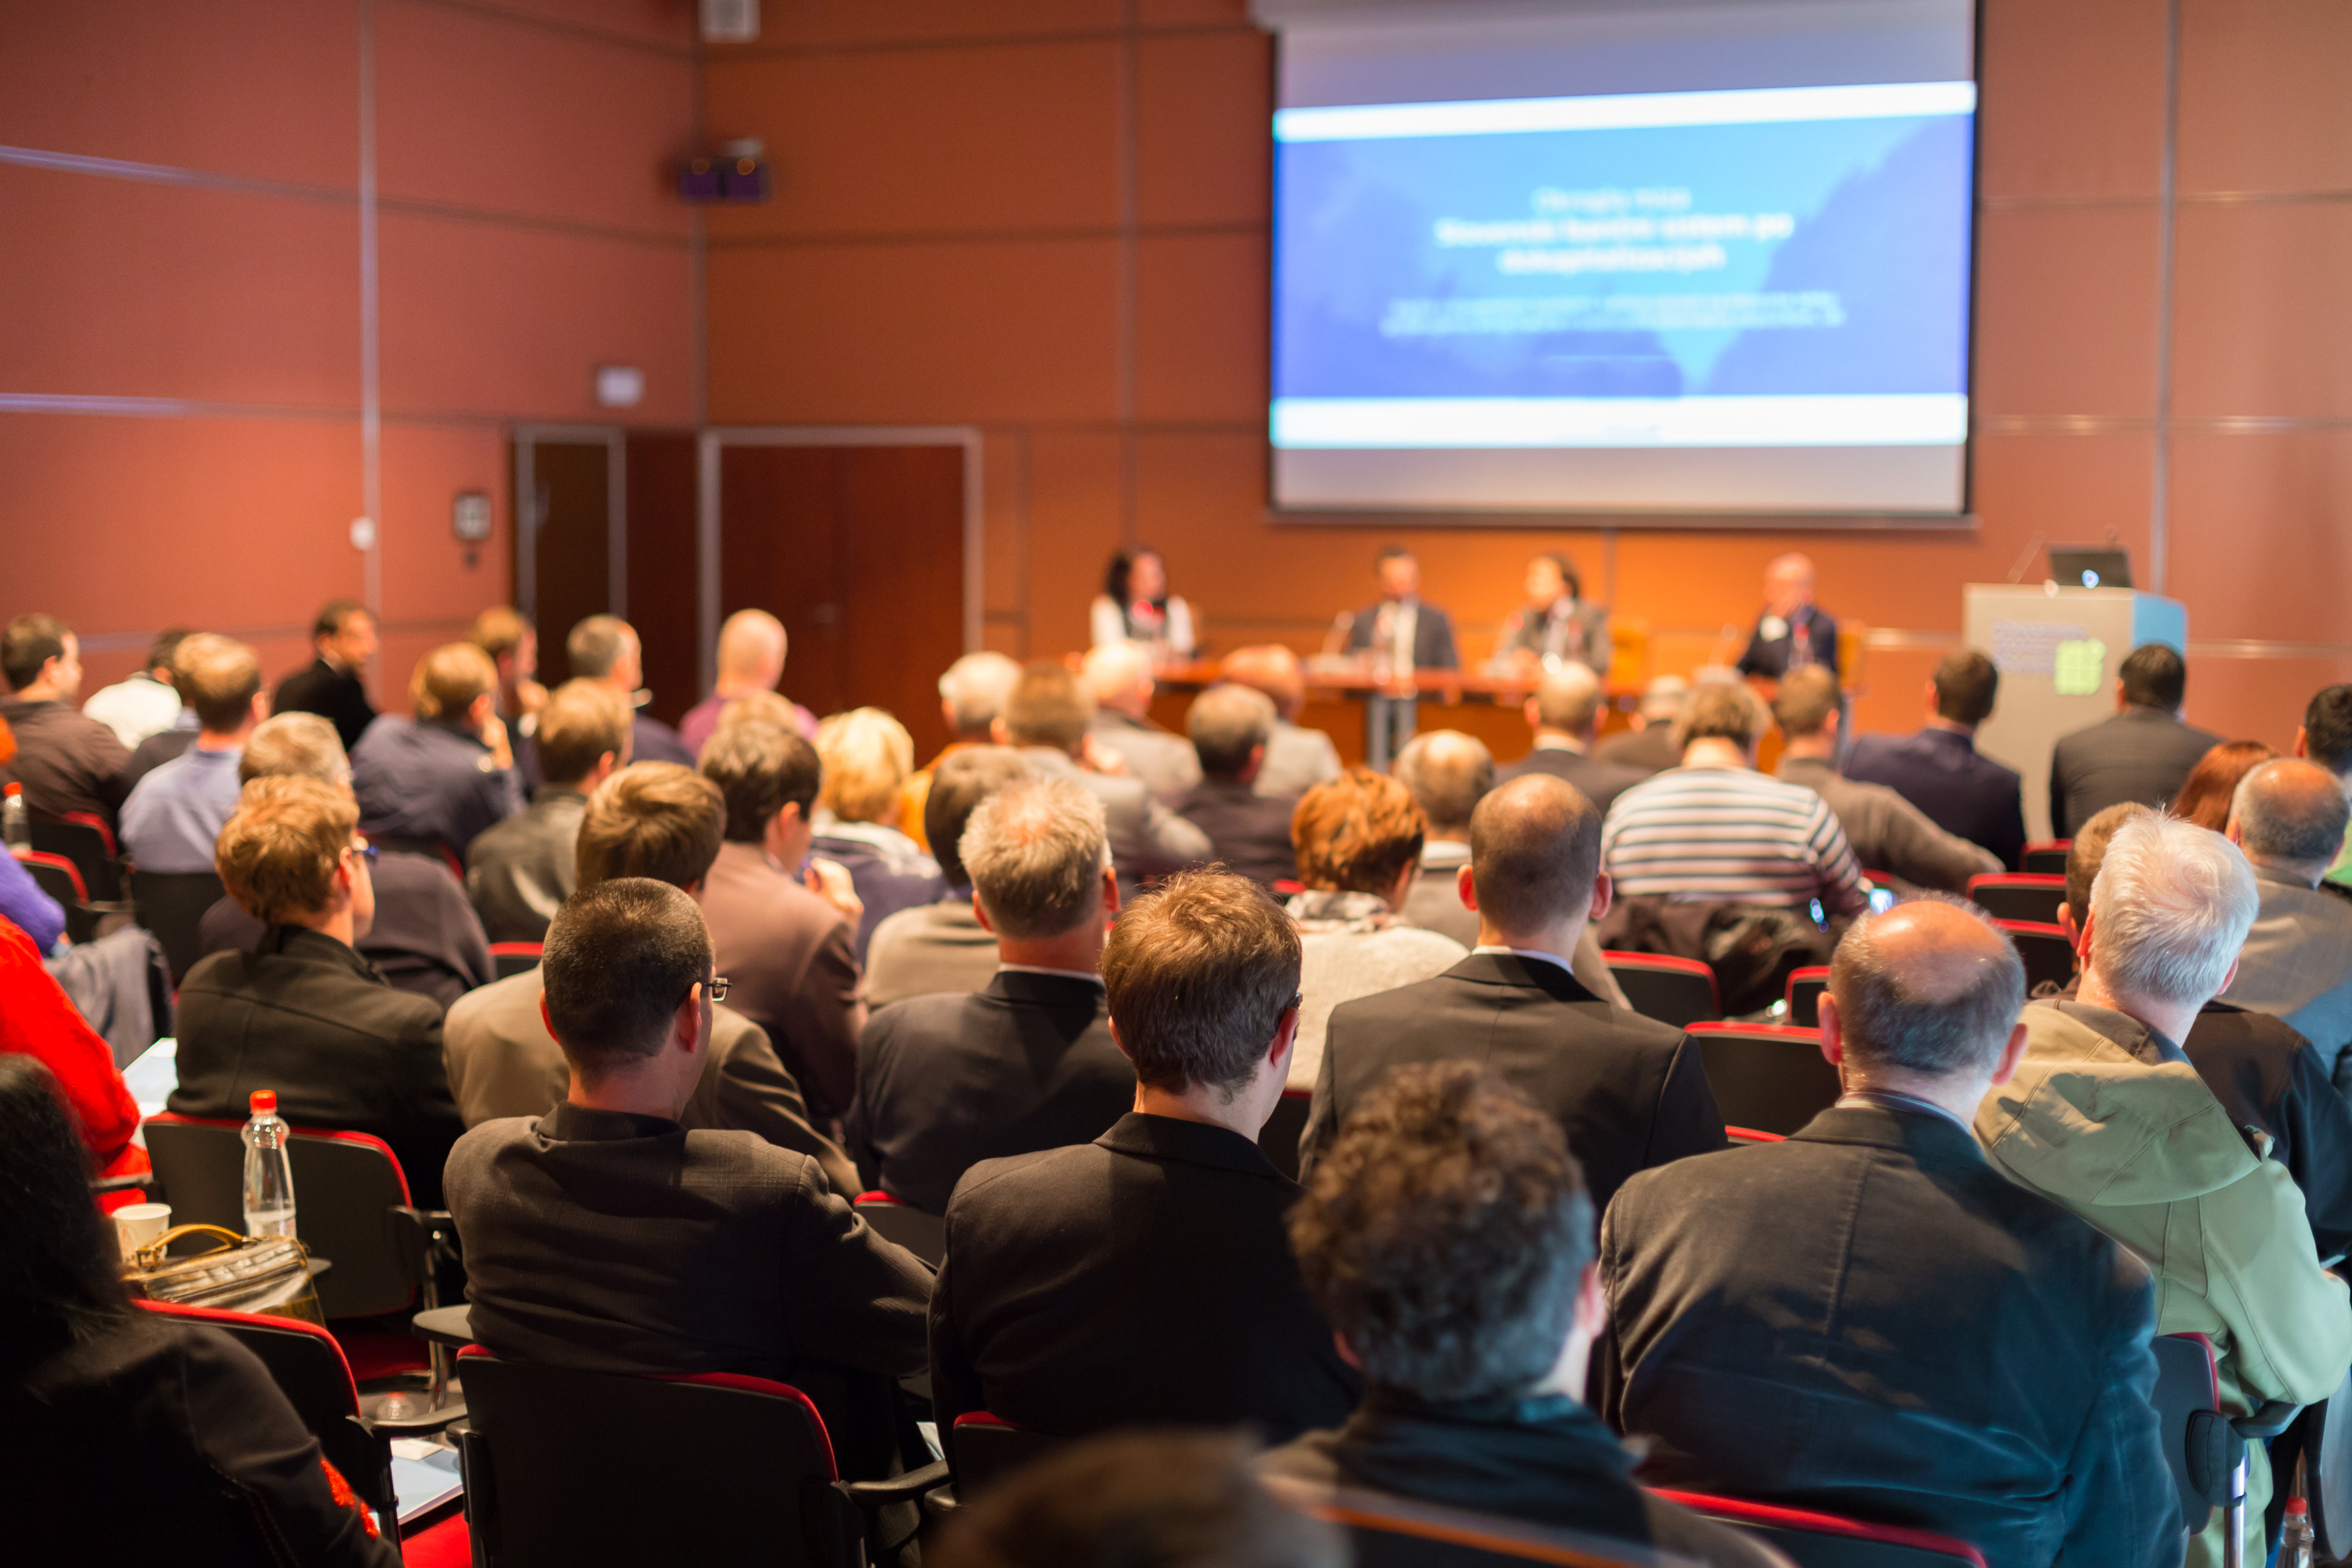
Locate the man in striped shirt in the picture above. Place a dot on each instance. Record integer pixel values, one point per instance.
(1716, 831)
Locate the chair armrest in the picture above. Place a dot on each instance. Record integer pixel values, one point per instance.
(425, 1426)
(137, 1181)
(448, 1326)
(869, 1495)
(2274, 1417)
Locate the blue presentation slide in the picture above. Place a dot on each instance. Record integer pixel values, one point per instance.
(1767, 267)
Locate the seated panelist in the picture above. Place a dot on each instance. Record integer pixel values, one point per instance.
(1136, 606)
(1792, 631)
(1557, 624)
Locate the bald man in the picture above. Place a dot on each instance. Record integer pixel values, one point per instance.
(1629, 1091)
(1869, 1318)
(2289, 818)
(1297, 758)
(1118, 676)
(1792, 631)
(751, 648)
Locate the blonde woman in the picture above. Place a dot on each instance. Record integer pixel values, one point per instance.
(867, 755)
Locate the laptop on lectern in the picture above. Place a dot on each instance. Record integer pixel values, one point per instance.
(2089, 566)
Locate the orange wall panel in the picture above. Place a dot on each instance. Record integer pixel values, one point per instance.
(793, 25)
(2259, 536)
(2261, 286)
(2066, 303)
(2072, 99)
(2261, 96)
(428, 573)
(1073, 511)
(1196, 160)
(1201, 327)
(667, 24)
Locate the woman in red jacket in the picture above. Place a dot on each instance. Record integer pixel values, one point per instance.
(38, 1020)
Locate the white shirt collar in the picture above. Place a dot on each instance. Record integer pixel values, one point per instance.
(1533, 952)
(1087, 975)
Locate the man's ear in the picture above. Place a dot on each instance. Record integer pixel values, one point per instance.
(2011, 1054)
(1110, 893)
(1465, 888)
(544, 1016)
(2302, 742)
(1604, 893)
(1832, 1032)
(980, 914)
(1534, 713)
(686, 1024)
(1285, 1036)
(1347, 1351)
(998, 732)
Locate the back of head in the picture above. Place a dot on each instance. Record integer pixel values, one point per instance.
(219, 678)
(1807, 698)
(2292, 812)
(295, 745)
(30, 642)
(761, 708)
(975, 687)
(2089, 848)
(651, 819)
(1112, 669)
(1269, 667)
(449, 679)
(1357, 833)
(329, 621)
(1722, 710)
(162, 652)
(597, 645)
(1663, 699)
(276, 854)
(751, 646)
(758, 769)
(2170, 910)
(1567, 699)
(2327, 729)
(1447, 774)
(1226, 724)
(1198, 973)
(1444, 1234)
(865, 755)
(1047, 706)
(499, 630)
(618, 962)
(1036, 850)
(1535, 853)
(2153, 677)
(2205, 795)
(582, 722)
(1930, 986)
(60, 1280)
(1967, 683)
(958, 786)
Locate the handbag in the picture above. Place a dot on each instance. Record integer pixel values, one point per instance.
(265, 1274)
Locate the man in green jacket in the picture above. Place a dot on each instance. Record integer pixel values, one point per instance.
(2107, 1117)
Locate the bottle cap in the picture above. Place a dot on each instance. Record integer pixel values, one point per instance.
(2297, 1505)
(265, 1102)
(13, 789)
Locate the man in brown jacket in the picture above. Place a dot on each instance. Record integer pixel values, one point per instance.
(66, 762)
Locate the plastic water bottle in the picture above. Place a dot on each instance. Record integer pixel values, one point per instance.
(268, 1178)
(2297, 1539)
(15, 827)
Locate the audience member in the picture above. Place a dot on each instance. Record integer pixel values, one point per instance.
(1814, 1322)
(2325, 737)
(1565, 714)
(610, 1235)
(943, 946)
(1647, 744)
(2212, 784)
(334, 684)
(24, 905)
(171, 819)
(1118, 676)
(1792, 631)
(436, 781)
(1358, 839)
(66, 762)
(121, 1429)
(1885, 832)
(1027, 1062)
(1144, 1279)
(304, 1013)
(606, 648)
(865, 755)
(1046, 717)
(507, 635)
(1447, 774)
(751, 649)
(1558, 626)
(1448, 1237)
(520, 871)
(660, 821)
(1939, 769)
(38, 1020)
(1629, 1092)
(1296, 759)
(2289, 818)
(1248, 832)
(1714, 829)
(2143, 754)
(1136, 606)
(787, 946)
(146, 702)
(971, 694)
(2158, 1164)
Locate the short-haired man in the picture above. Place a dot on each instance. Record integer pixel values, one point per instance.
(171, 819)
(1230, 727)
(2289, 818)
(175, 736)
(1297, 758)
(789, 946)
(661, 821)
(436, 782)
(1400, 631)
(752, 651)
(2325, 737)
(943, 946)
(611, 1236)
(1448, 1237)
(304, 1013)
(520, 871)
(1629, 1092)
(1647, 744)
(1939, 769)
(1565, 715)
(146, 702)
(507, 635)
(1144, 1279)
(334, 685)
(1813, 1322)
(606, 648)
(2108, 1117)
(1117, 675)
(66, 761)
(1792, 631)
(1448, 774)
(2143, 752)
(1885, 832)
(1026, 1062)
(971, 694)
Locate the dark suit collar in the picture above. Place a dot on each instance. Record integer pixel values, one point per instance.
(1531, 974)
(1928, 1138)
(1187, 1144)
(1046, 990)
(1935, 735)
(316, 947)
(570, 1123)
(2146, 715)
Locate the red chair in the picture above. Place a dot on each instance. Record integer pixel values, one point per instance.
(983, 1450)
(61, 879)
(1752, 1135)
(1390, 1531)
(1814, 1540)
(2047, 857)
(1770, 1077)
(1278, 1139)
(2047, 950)
(1804, 997)
(511, 958)
(894, 1219)
(2019, 896)
(1677, 990)
(82, 837)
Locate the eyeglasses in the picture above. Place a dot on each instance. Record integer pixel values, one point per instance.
(717, 987)
(365, 849)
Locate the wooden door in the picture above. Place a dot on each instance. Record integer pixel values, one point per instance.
(571, 546)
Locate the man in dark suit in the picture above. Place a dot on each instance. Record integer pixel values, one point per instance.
(2143, 754)
(66, 761)
(1792, 631)
(1939, 769)
(1868, 1317)
(1027, 1062)
(1648, 747)
(1629, 1092)
(1230, 727)
(606, 648)
(1565, 714)
(606, 1237)
(342, 639)
(434, 783)
(519, 873)
(1045, 719)
(1400, 631)
(1145, 1278)
(304, 1014)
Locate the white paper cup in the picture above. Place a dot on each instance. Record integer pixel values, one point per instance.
(137, 1224)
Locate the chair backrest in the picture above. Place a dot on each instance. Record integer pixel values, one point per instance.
(1390, 1531)
(58, 877)
(2327, 1470)
(1770, 1077)
(924, 1234)
(2047, 857)
(1805, 988)
(510, 958)
(1677, 990)
(172, 904)
(1812, 1539)
(983, 1450)
(84, 840)
(582, 1470)
(2047, 952)
(2187, 1381)
(345, 1186)
(2019, 896)
(1278, 1139)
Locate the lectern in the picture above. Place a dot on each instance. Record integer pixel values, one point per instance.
(2058, 650)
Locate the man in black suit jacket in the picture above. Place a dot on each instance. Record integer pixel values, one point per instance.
(1631, 1093)
(1939, 769)
(303, 1014)
(2143, 754)
(1792, 631)
(1565, 714)
(1026, 1062)
(1398, 620)
(1145, 1278)
(1250, 833)
(343, 639)
(1868, 1317)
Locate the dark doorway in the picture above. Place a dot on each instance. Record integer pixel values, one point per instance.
(662, 583)
(570, 573)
